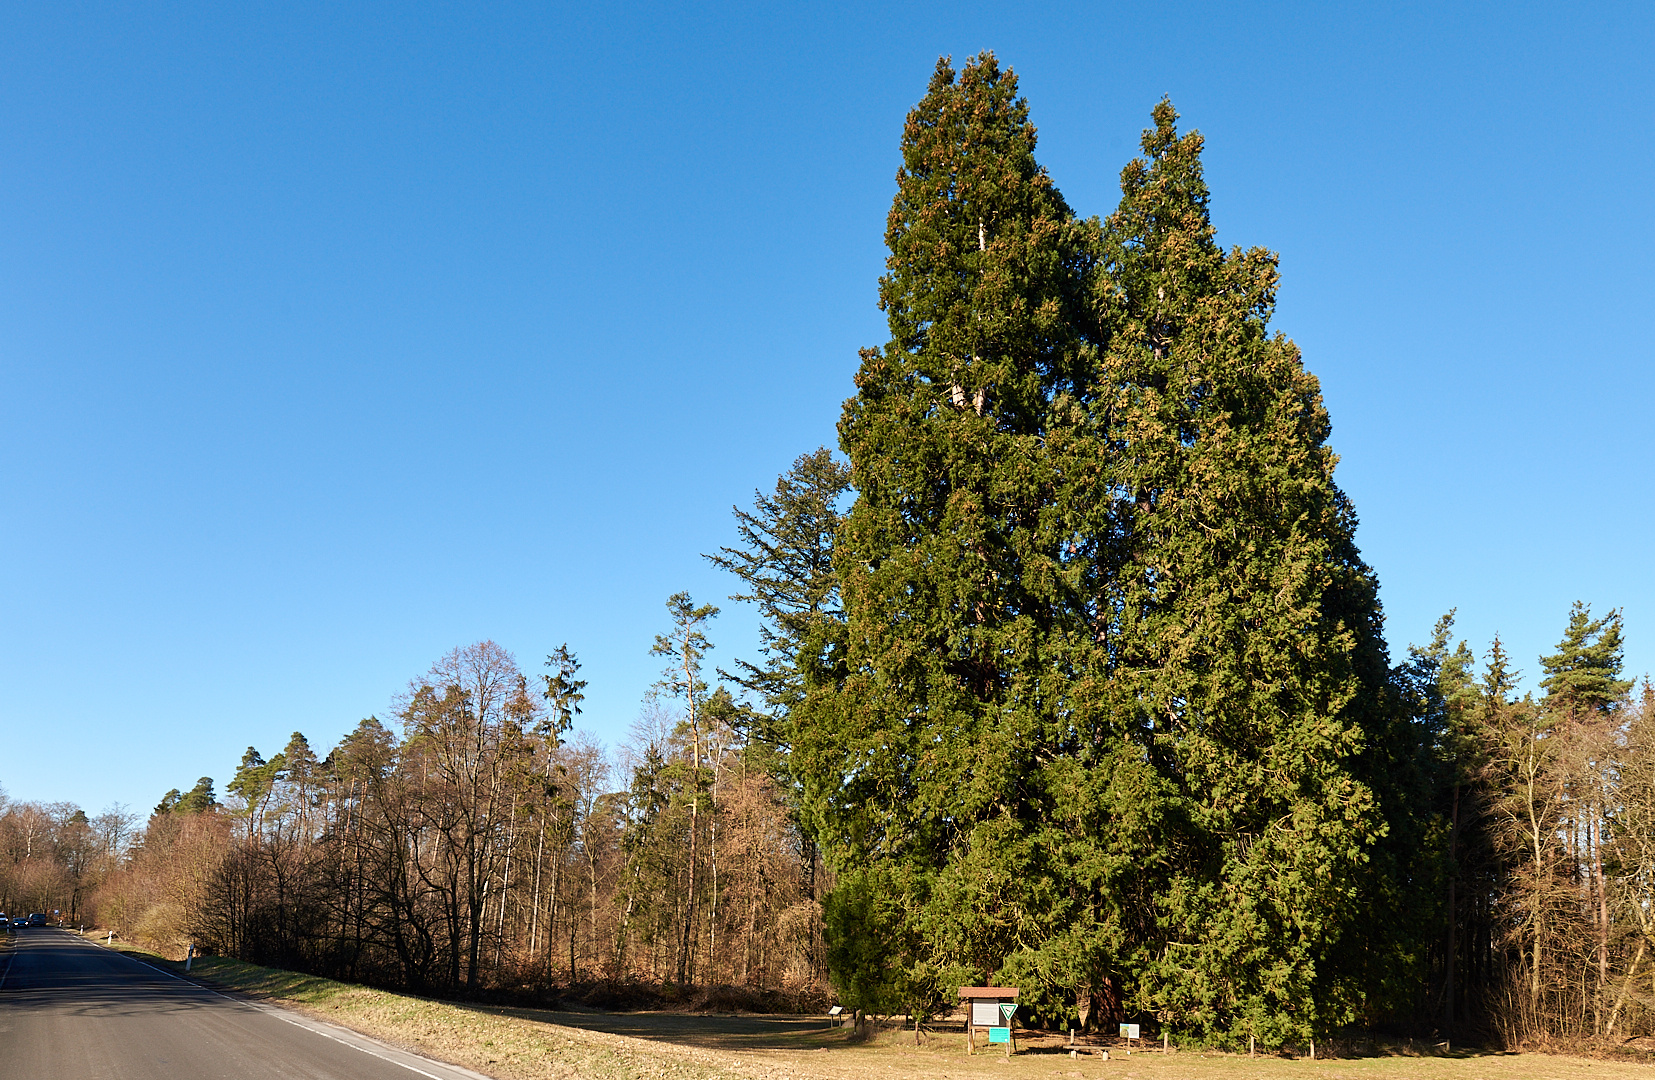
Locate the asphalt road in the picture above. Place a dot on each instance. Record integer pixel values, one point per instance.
(71, 1010)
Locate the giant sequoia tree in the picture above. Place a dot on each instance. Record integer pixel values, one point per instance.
(1112, 658)
(922, 763)
(1241, 630)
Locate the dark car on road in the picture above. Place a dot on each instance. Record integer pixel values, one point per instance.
(37, 919)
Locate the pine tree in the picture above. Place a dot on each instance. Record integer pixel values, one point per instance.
(299, 760)
(303, 773)
(1583, 676)
(198, 799)
(253, 783)
(923, 763)
(563, 693)
(1239, 627)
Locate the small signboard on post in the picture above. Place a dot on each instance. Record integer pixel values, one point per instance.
(991, 1009)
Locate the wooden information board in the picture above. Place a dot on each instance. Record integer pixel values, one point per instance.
(991, 1009)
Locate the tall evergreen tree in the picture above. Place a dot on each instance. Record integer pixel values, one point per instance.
(923, 764)
(563, 694)
(253, 783)
(1583, 676)
(684, 647)
(1583, 690)
(1238, 625)
(785, 561)
(1116, 718)
(198, 799)
(1444, 694)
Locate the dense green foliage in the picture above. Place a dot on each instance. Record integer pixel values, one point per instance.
(1582, 677)
(1242, 634)
(1115, 721)
(784, 558)
(922, 759)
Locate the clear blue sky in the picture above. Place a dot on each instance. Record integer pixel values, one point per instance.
(335, 336)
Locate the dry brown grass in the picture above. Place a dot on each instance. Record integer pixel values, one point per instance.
(530, 1044)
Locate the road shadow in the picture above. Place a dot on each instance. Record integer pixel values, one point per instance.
(47, 971)
(711, 1031)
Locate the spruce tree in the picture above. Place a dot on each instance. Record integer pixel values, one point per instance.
(1240, 629)
(922, 759)
(785, 561)
(1441, 687)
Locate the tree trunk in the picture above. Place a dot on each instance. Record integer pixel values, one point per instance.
(686, 952)
(1620, 999)
(1453, 914)
(534, 915)
(1602, 914)
(505, 888)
